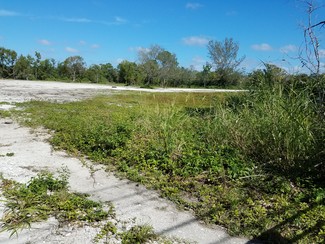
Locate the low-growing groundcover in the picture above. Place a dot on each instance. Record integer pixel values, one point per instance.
(45, 196)
(251, 163)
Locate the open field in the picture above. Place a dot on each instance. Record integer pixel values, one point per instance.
(26, 152)
(21, 90)
(250, 162)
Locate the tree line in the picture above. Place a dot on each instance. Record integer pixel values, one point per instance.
(155, 67)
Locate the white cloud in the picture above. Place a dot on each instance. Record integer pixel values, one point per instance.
(44, 42)
(139, 49)
(193, 5)
(321, 53)
(82, 42)
(143, 49)
(7, 13)
(262, 47)
(116, 21)
(120, 60)
(119, 20)
(195, 41)
(71, 50)
(95, 46)
(77, 20)
(288, 48)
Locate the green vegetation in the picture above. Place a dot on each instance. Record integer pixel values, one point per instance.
(138, 234)
(44, 196)
(253, 162)
(156, 67)
(4, 113)
(10, 154)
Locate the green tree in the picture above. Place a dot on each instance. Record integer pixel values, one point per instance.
(167, 67)
(75, 67)
(93, 74)
(158, 65)
(23, 68)
(7, 61)
(151, 53)
(185, 77)
(149, 64)
(109, 72)
(47, 69)
(223, 55)
(206, 74)
(151, 71)
(267, 77)
(129, 73)
(37, 61)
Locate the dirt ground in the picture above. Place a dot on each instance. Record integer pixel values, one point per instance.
(32, 153)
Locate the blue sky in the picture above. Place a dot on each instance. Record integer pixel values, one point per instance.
(103, 31)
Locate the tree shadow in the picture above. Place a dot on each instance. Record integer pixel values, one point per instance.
(273, 235)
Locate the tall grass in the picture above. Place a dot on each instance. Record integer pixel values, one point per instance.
(276, 127)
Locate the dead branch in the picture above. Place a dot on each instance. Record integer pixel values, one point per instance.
(322, 24)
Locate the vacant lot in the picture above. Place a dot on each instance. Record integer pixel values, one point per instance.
(25, 154)
(250, 162)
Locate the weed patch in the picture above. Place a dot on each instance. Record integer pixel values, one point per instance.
(4, 113)
(10, 154)
(252, 164)
(138, 234)
(45, 196)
